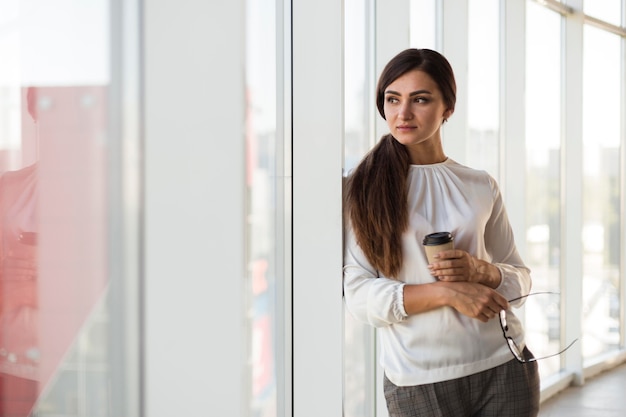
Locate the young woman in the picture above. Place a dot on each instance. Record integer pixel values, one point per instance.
(444, 351)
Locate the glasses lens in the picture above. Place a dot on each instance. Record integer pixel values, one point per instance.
(515, 349)
(503, 320)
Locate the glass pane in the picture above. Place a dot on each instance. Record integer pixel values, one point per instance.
(360, 105)
(267, 221)
(601, 191)
(543, 167)
(607, 10)
(483, 147)
(54, 130)
(359, 99)
(423, 24)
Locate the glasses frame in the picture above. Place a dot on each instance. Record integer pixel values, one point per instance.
(513, 347)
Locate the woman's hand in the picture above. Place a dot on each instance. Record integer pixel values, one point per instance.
(469, 298)
(458, 265)
(476, 300)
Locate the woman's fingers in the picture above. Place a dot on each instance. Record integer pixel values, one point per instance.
(452, 265)
(477, 301)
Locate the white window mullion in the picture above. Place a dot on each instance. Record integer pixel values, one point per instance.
(125, 207)
(284, 247)
(572, 175)
(622, 283)
(317, 207)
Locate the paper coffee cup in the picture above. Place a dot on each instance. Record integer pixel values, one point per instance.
(437, 242)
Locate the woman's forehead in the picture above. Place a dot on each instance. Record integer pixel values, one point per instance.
(412, 81)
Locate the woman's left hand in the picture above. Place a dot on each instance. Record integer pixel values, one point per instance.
(458, 265)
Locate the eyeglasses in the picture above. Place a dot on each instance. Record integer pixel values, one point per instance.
(513, 347)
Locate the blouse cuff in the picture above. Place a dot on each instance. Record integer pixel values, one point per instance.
(511, 285)
(501, 285)
(398, 304)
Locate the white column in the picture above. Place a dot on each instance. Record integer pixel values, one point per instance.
(572, 177)
(317, 207)
(194, 246)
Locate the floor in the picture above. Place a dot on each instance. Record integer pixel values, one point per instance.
(602, 396)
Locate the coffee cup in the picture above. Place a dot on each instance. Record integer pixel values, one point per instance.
(437, 242)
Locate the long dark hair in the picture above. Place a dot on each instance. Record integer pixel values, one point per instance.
(376, 197)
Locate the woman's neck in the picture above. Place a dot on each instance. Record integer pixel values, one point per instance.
(421, 155)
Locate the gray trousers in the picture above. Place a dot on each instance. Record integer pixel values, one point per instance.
(508, 390)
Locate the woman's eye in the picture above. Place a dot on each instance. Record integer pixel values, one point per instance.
(392, 100)
(420, 100)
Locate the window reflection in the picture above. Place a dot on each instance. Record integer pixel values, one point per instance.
(601, 191)
(543, 178)
(20, 353)
(267, 221)
(53, 272)
(54, 357)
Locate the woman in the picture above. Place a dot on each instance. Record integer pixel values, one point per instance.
(443, 350)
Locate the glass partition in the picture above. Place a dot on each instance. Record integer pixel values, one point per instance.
(55, 134)
(483, 89)
(601, 191)
(543, 179)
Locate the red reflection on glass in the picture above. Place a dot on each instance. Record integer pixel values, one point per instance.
(19, 347)
(52, 241)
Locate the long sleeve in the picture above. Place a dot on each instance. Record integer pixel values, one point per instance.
(500, 245)
(373, 300)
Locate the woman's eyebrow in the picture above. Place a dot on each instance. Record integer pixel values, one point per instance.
(414, 93)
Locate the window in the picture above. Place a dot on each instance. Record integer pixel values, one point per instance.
(57, 139)
(543, 178)
(607, 10)
(359, 338)
(483, 90)
(268, 218)
(423, 24)
(601, 191)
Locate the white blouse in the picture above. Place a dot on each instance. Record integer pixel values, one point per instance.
(441, 344)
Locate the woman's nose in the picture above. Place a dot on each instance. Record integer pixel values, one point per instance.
(405, 111)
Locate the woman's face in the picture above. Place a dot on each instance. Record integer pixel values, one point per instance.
(414, 108)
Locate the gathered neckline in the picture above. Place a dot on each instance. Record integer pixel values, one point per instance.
(444, 162)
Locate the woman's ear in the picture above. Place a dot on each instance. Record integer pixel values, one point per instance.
(447, 114)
